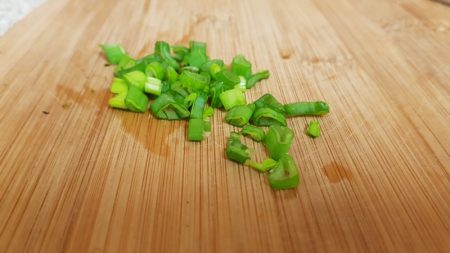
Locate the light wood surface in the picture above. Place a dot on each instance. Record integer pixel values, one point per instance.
(86, 178)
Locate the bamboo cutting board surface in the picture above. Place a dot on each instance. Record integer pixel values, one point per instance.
(77, 176)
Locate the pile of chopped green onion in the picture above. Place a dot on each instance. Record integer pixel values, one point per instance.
(178, 82)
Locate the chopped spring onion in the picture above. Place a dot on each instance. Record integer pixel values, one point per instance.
(125, 63)
(191, 68)
(162, 49)
(166, 107)
(268, 117)
(198, 106)
(206, 125)
(195, 129)
(153, 86)
(241, 66)
(239, 115)
(136, 100)
(266, 165)
(256, 78)
(206, 67)
(232, 98)
(208, 112)
(255, 133)
(189, 99)
(317, 108)
(269, 101)
(215, 91)
(185, 83)
(197, 55)
(119, 86)
(172, 75)
(193, 81)
(241, 84)
(235, 150)
(285, 174)
(227, 77)
(136, 78)
(178, 88)
(114, 53)
(180, 52)
(156, 70)
(146, 60)
(278, 141)
(214, 69)
(118, 101)
(313, 129)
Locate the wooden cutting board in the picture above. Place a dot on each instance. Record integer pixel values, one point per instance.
(77, 176)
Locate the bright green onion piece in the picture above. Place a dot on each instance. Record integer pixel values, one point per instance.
(198, 106)
(214, 69)
(180, 92)
(153, 86)
(114, 53)
(166, 107)
(252, 80)
(180, 52)
(136, 78)
(227, 77)
(193, 81)
(215, 91)
(195, 130)
(266, 165)
(162, 49)
(197, 58)
(241, 84)
(138, 67)
(146, 60)
(189, 99)
(285, 174)
(235, 137)
(119, 86)
(118, 101)
(156, 70)
(317, 108)
(266, 116)
(208, 80)
(278, 140)
(125, 63)
(207, 65)
(197, 45)
(241, 66)
(166, 87)
(136, 100)
(197, 55)
(235, 150)
(172, 75)
(313, 129)
(240, 115)
(190, 68)
(268, 100)
(254, 132)
(232, 98)
(207, 126)
(208, 112)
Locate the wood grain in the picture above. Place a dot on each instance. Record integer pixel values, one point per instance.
(77, 176)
